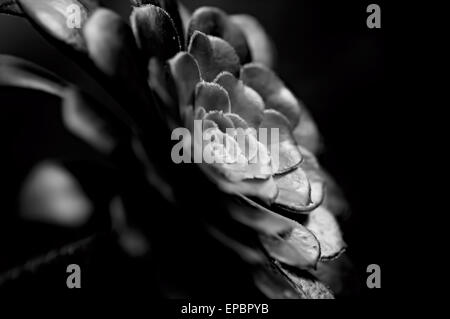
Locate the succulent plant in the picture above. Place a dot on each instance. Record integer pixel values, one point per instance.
(277, 216)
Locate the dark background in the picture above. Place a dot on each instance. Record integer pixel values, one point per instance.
(326, 54)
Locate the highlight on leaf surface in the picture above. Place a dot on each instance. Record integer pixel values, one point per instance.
(289, 156)
(112, 50)
(17, 72)
(244, 101)
(54, 18)
(298, 247)
(91, 122)
(261, 47)
(186, 75)
(294, 191)
(325, 227)
(264, 191)
(307, 133)
(111, 44)
(172, 7)
(52, 195)
(215, 22)
(273, 91)
(258, 217)
(213, 56)
(212, 97)
(310, 287)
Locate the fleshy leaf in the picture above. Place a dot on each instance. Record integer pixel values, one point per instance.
(215, 22)
(94, 123)
(186, 75)
(309, 286)
(298, 247)
(10, 7)
(110, 43)
(261, 47)
(317, 191)
(315, 176)
(104, 44)
(264, 191)
(227, 151)
(58, 18)
(155, 32)
(51, 194)
(238, 121)
(21, 73)
(162, 83)
(200, 113)
(113, 50)
(302, 190)
(333, 200)
(207, 124)
(172, 7)
(244, 100)
(213, 56)
(307, 134)
(212, 97)
(88, 120)
(185, 15)
(219, 118)
(250, 171)
(273, 91)
(260, 218)
(295, 191)
(284, 151)
(325, 227)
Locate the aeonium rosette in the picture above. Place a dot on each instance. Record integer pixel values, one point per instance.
(208, 74)
(256, 133)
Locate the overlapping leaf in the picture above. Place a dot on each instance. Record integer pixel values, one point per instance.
(215, 22)
(325, 227)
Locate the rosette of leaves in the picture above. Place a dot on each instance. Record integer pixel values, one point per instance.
(273, 223)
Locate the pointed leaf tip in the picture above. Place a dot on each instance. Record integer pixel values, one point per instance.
(273, 91)
(261, 47)
(186, 76)
(213, 55)
(212, 97)
(244, 100)
(284, 150)
(172, 7)
(155, 32)
(298, 247)
(215, 22)
(63, 20)
(325, 227)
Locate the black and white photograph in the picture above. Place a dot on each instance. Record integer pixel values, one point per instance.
(222, 154)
